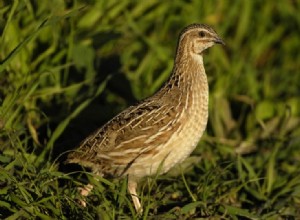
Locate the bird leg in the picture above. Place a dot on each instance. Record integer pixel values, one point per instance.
(132, 185)
(84, 191)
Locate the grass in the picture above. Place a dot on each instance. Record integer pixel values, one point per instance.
(66, 67)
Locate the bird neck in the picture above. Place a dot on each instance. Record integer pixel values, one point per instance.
(186, 92)
(189, 73)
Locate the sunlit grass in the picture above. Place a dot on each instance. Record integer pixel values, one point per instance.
(68, 66)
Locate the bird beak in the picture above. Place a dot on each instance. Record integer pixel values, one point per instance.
(218, 40)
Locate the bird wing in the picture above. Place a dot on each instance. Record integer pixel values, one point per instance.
(140, 129)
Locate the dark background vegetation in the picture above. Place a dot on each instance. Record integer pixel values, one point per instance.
(69, 66)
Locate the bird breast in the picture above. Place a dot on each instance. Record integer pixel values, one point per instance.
(190, 122)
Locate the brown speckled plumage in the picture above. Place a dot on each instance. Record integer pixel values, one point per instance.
(163, 129)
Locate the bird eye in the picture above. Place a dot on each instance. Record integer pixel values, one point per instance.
(202, 34)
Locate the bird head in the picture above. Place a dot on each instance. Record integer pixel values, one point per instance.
(196, 38)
